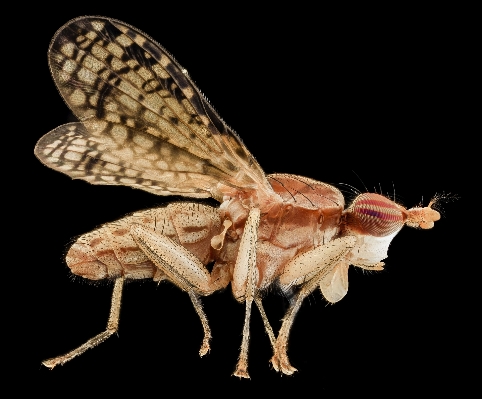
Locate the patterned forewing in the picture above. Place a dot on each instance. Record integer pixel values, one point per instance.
(143, 121)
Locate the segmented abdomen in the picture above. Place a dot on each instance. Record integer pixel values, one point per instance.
(111, 251)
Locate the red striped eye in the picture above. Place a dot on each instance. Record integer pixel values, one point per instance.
(376, 215)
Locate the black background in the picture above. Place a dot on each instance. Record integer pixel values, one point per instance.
(381, 99)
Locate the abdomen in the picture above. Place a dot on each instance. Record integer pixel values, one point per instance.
(111, 251)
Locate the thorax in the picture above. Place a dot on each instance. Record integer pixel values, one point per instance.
(301, 214)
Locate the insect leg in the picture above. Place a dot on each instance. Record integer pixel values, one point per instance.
(112, 326)
(267, 326)
(182, 268)
(306, 270)
(244, 282)
(280, 359)
(204, 320)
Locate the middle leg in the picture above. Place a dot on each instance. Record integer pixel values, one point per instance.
(245, 278)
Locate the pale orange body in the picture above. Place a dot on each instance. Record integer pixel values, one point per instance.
(290, 225)
(143, 123)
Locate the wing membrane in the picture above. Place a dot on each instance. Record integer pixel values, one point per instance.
(71, 149)
(140, 114)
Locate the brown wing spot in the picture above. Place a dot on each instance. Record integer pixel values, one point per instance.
(241, 153)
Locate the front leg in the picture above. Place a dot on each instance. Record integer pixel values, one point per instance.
(182, 268)
(245, 278)
(306, 270)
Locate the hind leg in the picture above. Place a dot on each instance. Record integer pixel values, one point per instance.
(182, 268)
(112, 326)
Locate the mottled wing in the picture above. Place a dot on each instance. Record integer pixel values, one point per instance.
(72, 149)
(143, 121)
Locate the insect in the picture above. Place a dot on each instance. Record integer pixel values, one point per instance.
(144, 124)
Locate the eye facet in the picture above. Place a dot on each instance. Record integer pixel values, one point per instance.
(375, 215)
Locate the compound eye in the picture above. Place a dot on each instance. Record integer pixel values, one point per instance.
(376, 215)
